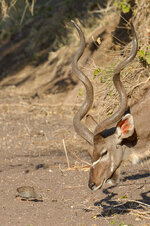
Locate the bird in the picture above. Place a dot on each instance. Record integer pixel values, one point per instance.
(28, 193)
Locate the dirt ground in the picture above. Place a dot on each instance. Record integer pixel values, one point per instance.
(37, 105)
(34, 135)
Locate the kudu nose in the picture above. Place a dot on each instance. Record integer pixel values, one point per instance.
(91, 186)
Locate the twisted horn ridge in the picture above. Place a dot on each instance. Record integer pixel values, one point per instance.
(80, 128)
(119, 86)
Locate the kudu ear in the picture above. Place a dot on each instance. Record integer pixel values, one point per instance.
(91, 123)
(124, 128)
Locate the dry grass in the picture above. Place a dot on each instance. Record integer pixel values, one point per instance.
(75, 167)
(6, 7)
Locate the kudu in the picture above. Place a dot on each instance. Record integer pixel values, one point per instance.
(112, 145)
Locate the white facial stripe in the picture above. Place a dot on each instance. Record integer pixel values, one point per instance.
(134, 158)
(102, 159)
(112, 164)
(112, 167)
(99, 186)
(97, 161)
(96, 188)
(104, 150)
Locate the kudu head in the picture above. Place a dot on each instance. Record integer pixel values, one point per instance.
(108, 150)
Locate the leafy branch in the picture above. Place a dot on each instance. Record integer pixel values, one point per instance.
(144, 56)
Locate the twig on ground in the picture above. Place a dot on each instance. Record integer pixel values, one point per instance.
(66, 154)
(85, 167)
(144, 82)
(141, 203)
(145, 215)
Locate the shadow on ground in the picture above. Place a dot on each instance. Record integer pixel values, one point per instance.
(110, 207)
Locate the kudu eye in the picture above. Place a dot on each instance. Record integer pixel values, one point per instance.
(104, 153)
